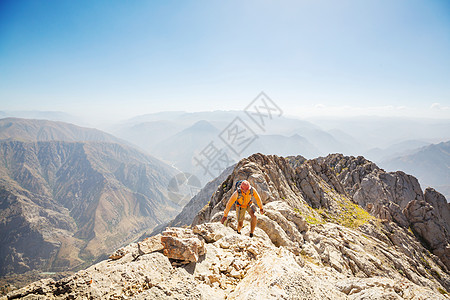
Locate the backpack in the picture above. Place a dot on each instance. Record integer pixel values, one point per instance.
(237, 188)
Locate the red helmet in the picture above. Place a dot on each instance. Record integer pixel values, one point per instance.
(245, 185)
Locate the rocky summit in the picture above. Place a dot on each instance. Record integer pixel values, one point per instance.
(334, 227)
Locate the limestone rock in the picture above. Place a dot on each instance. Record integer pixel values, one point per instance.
(150, 244)
(383, 288)
(182, 245)
(211, 232)
(278, 276)
(289, 214)
(440, 204)
(303, 194)
(426, 223)
(275, 232)
(131, 249)
(349, 266)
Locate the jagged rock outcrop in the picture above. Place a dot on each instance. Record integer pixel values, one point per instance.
(383, 194)
(396, 196)
(332, 183)
(182, 245)
(315, 241)
(440, 204)
(429, 219)
(336, 189)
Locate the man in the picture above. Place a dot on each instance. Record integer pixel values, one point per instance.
(243, 198)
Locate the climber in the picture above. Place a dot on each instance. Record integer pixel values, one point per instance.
(243, 198)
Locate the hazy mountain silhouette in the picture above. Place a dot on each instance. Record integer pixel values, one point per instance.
(397, 149)
(283, 145)
(44, 130)
(430, 164)
(58, 116)
(382, 132)
(181, 148)
(177, 137)
(147, 135)
(378, 138)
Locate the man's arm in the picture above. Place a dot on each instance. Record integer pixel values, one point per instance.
(233, 198)
(258, 201)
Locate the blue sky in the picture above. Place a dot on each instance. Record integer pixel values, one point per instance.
(123, 58)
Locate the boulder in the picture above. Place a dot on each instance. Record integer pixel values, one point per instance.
(212, 232)
(150, 244)
(426, 223)
(439, 203)
(182, 245)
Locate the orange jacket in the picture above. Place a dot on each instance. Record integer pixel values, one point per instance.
(243, 201)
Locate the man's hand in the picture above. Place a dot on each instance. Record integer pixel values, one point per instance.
(261, 210)
(223, 219)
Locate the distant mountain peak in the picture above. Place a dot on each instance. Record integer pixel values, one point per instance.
(202, 125)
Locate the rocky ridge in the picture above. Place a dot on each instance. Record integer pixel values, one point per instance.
(335, 228)
(344, 190)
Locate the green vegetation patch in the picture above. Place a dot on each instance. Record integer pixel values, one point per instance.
(348, 214)
(312, 217)
(351, 214)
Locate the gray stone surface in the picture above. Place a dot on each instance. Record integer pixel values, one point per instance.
(350, 231)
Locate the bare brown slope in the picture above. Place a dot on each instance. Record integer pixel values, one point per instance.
(67, 203)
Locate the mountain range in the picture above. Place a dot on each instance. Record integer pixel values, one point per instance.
(178, 137)
(377, 138)
(162, 135)
(31, 130)
(70, 194)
